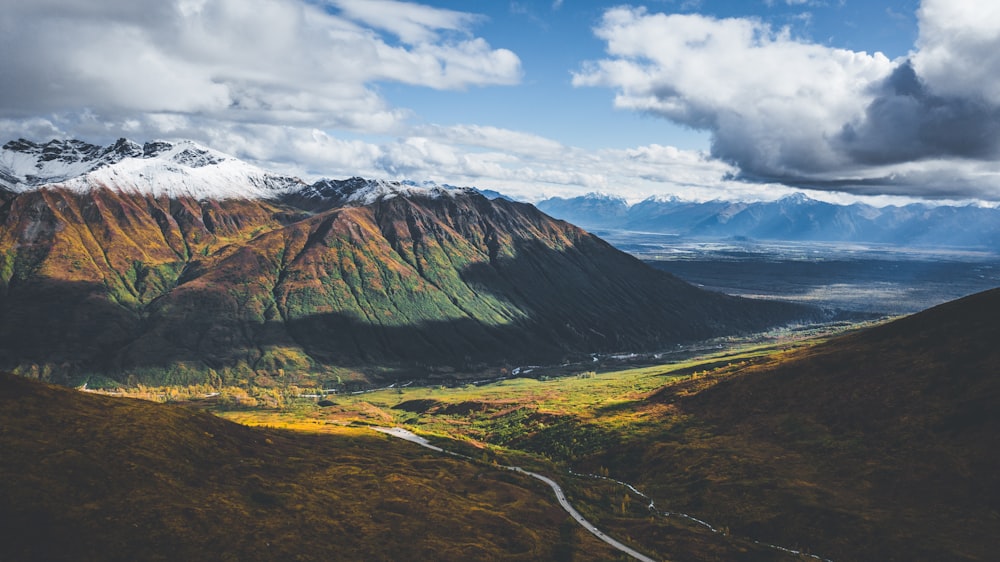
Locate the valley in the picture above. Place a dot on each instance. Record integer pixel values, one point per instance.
(878, 279)
(441, 281)
(872, 445)
(654, 397)
(563, 417)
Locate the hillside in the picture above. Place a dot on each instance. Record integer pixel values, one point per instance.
(877, 445)
(86, 477)
(174, 264)
(881, 445)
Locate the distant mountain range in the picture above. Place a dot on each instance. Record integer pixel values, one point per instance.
(793, 218)
(171, 262)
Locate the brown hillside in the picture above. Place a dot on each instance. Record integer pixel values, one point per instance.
(85, 477)
(880, 445)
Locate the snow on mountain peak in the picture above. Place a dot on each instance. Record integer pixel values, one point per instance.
(361, 191)
(381, 189)
(182, 169)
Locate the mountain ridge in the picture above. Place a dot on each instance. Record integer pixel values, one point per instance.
(338, 278)
(796, 217)
(174, 169)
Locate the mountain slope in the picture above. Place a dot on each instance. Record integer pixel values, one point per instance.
(880, 445)
(179, 282)
(595, 210)
(87, 477)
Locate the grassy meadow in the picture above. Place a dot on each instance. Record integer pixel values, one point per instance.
(558, 425)
(838, 446)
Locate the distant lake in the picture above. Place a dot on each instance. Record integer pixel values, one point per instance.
(856, 277)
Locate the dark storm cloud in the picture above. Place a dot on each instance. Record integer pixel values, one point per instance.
(906, 122)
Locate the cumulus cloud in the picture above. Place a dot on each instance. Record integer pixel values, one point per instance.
(477, 156)
(958, 49)
(784, 109)
(754, 87)
(517, 163)
(276, 61)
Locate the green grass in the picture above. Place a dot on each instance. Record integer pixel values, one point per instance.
(557, 424)
(828, 445)
(793, 443)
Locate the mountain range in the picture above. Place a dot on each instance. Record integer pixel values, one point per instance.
(792, 218)
(174, 263)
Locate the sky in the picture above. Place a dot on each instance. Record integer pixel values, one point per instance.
(884, 101)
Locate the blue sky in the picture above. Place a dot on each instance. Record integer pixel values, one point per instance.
(887, 101)
(554, 39)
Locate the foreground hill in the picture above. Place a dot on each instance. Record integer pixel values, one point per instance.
(174, 263)
(86, 477)
(881, 445)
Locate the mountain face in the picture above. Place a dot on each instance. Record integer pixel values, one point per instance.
(793, 218)
(591, 211)
(174, 263)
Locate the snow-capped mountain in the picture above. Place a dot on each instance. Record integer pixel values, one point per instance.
(237, 272)
(361, 191)
(793, 218)
(181, 169)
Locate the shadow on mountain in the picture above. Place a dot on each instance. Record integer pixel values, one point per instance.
(60, 329)
(559, 305)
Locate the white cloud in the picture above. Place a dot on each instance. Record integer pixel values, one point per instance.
(412, 23)
(783, 109)
(958, 50)
(753, 86)
(271, 61)
(295, 86)
(477, 156)
(494, 138)
(513, 162)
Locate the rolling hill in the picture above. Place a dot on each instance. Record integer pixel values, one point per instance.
(88, 477)
(173, 263)
(879, 445)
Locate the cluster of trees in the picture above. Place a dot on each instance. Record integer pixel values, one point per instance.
(245, 396)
